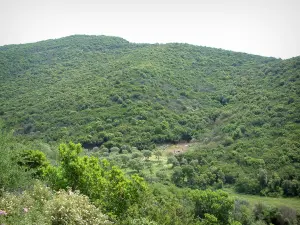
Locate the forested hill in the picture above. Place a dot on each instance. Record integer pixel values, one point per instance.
(134, 107)
(101, 90)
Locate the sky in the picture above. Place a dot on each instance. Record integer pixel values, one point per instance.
(261, 27)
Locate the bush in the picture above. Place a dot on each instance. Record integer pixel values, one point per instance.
(142, 221)
(12, 175)
(41, 205)
(136, 164)
(265, 213)
(33, 160)
(147, 154)
(94, 179)
(216, 203)
(136, 155)
(114, 150)
(286, 215)
(247, 185)
(162, 175)
(227, 141)
(173, 160)
(67, 207)
(242, 212)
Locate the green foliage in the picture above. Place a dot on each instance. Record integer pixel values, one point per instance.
(157, 154)
(33, 160)
(242, 212)
(291, 187)
(142, 94)
(104, 184)
(142, 221)
(209, 220)
(215, 203)
(173, 160)
(136, 164)
(41, 206)
(12, 175)
(147, 154)
(249, 169)
(246, 185)
(163, 205)
(241, 109)
(73, 208)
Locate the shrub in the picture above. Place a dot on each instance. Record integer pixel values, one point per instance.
(227, 141)
(67, 207)
(93, 179)
(247, 185)
(286, 215)
(136, 155)
(34, 160)
(136, 164)
(216, 203)
(242, 212)
(114, 150)
(173, 160)
(142, 221)
(41, 205)
(12, 176)
(162, 175)
(265, 213)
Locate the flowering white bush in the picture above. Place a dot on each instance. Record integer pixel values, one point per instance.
(73, 208)
(42, 206)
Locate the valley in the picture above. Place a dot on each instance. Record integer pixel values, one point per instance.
(147, 134)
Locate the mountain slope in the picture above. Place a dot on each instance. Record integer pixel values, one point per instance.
(104, 90)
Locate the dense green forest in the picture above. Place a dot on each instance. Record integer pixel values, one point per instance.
(233, 120)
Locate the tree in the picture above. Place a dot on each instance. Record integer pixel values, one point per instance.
(158, 153)
(178, 176)
(243, 212)
(147, 154)
(183, 161)
(209, 220)
(216, 203)
(114, 150)
(33, 160)
(247, 185)
(274, 188)
(263, 178)
(124, 159)
(291, 187)
(136, 164)
(94, 179)
(189, 173)
(136, 155)
(172, 160)
(12, 176)
(194, 162)
(162, 175)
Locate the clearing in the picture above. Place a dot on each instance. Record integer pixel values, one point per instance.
(255, 199)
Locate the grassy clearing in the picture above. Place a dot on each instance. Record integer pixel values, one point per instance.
(169, 150)
(254, 199)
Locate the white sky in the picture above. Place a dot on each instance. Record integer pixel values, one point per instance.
(262, 27)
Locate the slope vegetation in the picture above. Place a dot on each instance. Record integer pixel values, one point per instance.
(234, 116)
(105, 90)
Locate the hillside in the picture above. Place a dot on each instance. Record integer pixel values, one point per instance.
(187, 119)
(105, 90)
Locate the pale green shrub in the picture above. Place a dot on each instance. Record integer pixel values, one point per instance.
(73, 208)
(26, 208)
(42, 206)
